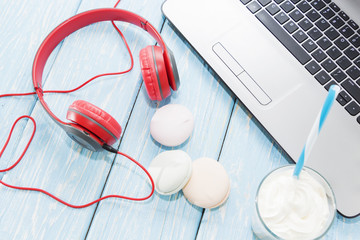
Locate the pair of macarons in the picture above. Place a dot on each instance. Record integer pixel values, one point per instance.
(204, 181)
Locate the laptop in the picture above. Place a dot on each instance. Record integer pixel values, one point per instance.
(279, 57)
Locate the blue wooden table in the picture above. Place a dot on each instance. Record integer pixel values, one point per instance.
(224, 130)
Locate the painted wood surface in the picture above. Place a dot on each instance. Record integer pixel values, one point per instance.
(224, 131)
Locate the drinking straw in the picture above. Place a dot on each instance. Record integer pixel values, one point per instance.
(315, 130)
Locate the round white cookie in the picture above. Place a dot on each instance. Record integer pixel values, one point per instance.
(171, 125)
(170, 170)
(209, 185)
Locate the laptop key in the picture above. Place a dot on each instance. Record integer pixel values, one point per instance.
(313, 15)
(309, 45)
(304, 6)
(341, 43)
(337, 22)
(253, 7)
(351, 53)
(331, 33)
(346, 31)
(352, 89)
(300, 36)
(245, 1)
(319, 55)
(357, 62)
(322, 77)
(296, 15)
(322, 24)
(338, 75)
(278, 1)
(272, 9)
(312, 67)
(353, 72)
(287, 6)
(355, 40)
(353, 108)
(334, 7)
(299, 53)
(264, 2)
(353, 24)
(318, 4)
(281, 17)
(340, 100)
(295, 1)
(334, 52)
(305, 24)
(344, 16)
(315, 33)
(343, 62)
(327, 13)
(324, 43)
(291, 27)
(327, 86)
(328, 64)
(345, 96)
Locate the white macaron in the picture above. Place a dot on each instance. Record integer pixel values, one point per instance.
(209, 185)
(172, 125)
(170, 170)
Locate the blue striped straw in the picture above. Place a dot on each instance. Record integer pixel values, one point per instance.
(315, 130)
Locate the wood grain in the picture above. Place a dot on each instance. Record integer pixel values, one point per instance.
(224, 130)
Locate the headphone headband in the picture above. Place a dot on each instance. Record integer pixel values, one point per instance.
(77, 22)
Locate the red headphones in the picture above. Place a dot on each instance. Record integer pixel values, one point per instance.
(90, 126)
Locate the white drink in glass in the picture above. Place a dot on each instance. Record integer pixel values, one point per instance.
(291, 208)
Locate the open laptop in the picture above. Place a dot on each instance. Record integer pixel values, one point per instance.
(279, 57)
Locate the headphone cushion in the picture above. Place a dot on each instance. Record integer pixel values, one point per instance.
(96, 120)
(172, 71)
(154, 74)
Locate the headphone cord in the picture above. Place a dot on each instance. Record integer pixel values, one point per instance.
(107, 147)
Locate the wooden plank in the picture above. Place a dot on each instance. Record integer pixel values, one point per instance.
(24, 25)
(248, 154)
(54, 162)
(164, 217)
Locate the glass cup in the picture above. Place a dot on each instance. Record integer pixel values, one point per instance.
(259, 227)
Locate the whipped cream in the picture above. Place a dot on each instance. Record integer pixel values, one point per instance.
(293, 208)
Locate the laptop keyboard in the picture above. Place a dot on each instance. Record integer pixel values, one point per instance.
(321, 37)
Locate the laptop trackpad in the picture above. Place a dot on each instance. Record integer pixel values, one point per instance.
(241, 74)
(268, 70)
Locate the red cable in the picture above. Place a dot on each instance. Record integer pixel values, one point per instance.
(53, 196)
(34, 130)
(91, 79)
(8, 139)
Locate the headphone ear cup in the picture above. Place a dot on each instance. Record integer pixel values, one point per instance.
(154, 73)
(172, 71)
(95, 120)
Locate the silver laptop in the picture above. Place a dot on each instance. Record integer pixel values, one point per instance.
(279, 57)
